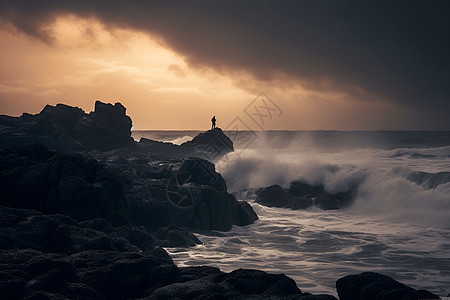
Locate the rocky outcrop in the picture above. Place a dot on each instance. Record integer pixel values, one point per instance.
(210, 145)
(22, 229)
(210, 283)
(374, 286)
(302, 196)
(90, 274)
(70, 128)
(124, 190)
(54, 257)
(33, 177)
(187, 192)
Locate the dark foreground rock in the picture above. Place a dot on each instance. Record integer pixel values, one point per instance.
(124, 189)
(57, 182)
(301, 195)
(187, 192)
(210, 283)
(374, 286)
(55, 257)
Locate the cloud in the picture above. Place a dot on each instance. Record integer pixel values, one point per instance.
(176, 70)
(392, 51)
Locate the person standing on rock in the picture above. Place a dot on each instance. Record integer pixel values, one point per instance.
(213, 121)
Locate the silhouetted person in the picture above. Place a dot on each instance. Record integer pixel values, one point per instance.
(213, 121)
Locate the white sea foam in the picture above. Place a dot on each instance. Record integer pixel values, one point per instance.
(399, 224)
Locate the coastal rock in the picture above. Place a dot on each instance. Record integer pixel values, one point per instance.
(186, 192)
(273, 195)
(69, 128)
(20, 229)
(211, 283)
(301, 195)
(374, 286)
(92, 274)
(173, 236)
(53, 257)
(56, 182)
(210, 145)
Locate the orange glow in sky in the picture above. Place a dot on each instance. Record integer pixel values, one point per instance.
(86, 62)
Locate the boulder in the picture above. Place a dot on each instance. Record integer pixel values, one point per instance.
(301, 195)
(239, 284)
(173, 236)
(210, 145)
(187, 192)
(374, 286)
(273, 195)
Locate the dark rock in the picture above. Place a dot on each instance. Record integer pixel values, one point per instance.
(70, 128)
(259, 282)
(202, 172)
(374, 286)
(301, 189)
(173, 236)
(273, 195)
(245, 214)
(124, 275)
(334, 201)
(99, 261)
(211, 144)
(300, 202)
(56, 182)
(302, 196)
(151, 213)
(57, 233)
(30, 274)
(210, 283)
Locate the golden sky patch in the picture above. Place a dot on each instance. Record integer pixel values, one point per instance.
(85, 62)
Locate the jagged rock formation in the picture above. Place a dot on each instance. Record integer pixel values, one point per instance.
(187, 192)
(51, 256)
(374, 286)
(70, 128)
(301, 196)
(33, 177)
(127, 191)
(211, 144)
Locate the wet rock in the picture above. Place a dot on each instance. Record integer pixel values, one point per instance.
(327, 201)
(301, 195)
(211, 144)
(300, 202)
(93, 274)
(374, 286)
(124, 275)
(20, 229)
(173, 236)
(210, 283)
(245, 214)
(273, 195)
(56, 182)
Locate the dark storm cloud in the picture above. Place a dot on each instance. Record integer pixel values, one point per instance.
(393, 50)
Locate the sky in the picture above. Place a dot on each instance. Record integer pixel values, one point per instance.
(268, 65)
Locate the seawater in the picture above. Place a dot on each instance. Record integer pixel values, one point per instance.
(398, 225)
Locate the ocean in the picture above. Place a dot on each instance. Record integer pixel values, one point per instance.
(398, 225)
